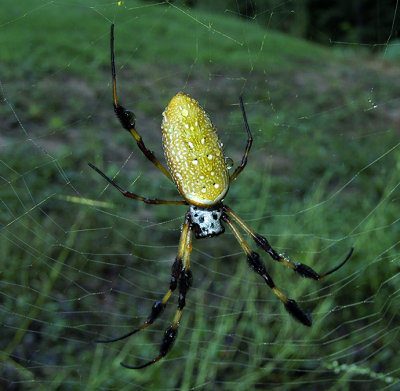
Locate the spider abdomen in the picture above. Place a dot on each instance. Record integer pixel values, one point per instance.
(193, 152)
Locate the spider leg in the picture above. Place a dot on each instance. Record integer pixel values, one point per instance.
(262, 242)
(185, 281)
(159, 306)
(127, 118)
(126, 193)
(256, 264)
(242, 165)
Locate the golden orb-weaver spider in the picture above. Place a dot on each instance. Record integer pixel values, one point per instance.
(197, 166)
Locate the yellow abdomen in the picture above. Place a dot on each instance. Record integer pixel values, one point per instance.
(193, 152)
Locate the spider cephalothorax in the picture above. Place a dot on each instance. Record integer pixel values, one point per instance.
(206, 221)
(197, 166)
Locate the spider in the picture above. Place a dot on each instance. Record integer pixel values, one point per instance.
(197, 166)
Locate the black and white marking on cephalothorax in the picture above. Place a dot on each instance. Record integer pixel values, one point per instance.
(207, 221)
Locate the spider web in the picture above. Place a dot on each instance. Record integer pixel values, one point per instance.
(80, 262)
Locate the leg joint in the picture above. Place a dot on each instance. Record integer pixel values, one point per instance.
(181, 301)
(256, 263)
(176, 268)
(126, 117)
(168, 340)
(263, 243)
(185, 281)
(306, 271)
(294, 310)
(157, 309)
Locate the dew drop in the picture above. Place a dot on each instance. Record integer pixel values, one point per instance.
(229, 163)
(185, 112)
(195, 162)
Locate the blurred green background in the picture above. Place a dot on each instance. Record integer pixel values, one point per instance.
(80, 262)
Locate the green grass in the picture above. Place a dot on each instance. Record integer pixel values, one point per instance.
(79, 263)
(180, 29)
